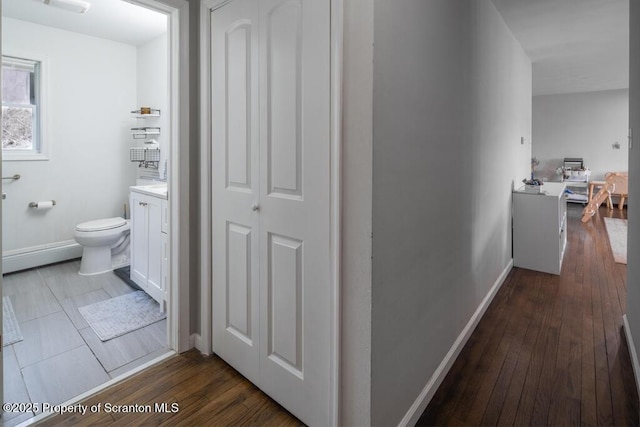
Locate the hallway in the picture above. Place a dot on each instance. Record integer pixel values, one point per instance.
(550, 350)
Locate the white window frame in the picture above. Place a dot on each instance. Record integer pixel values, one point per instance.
(42, 146)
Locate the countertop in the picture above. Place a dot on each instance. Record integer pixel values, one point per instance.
(154, 190)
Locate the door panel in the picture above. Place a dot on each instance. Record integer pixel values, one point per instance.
(283, 99)
(238, 100)
(238, 284)
(234, 85)
(295, 206)
(284, 307)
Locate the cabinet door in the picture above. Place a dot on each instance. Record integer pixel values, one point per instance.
(139, 240)
(154, 274)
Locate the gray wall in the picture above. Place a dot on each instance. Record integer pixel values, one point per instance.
(581, 125)
(633, 249)
(452, 98)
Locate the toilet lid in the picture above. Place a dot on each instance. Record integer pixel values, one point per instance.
(101, 224)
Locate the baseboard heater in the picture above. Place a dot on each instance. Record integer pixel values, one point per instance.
(35, 256)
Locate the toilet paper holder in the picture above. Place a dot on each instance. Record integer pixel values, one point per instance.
(35, 204)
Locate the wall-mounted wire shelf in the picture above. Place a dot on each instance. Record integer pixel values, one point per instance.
(143, 132)
(146, 157)
(143, 114)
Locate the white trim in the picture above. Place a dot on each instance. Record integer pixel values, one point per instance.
(336, 206)
(44, 137)
(77, 399)
(415, 411)
(179, 202)
(35, 256)
(177, 11)
(206, 268)
(632, 351)
(196, 341)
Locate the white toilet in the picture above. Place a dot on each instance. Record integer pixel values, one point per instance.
(105, 245)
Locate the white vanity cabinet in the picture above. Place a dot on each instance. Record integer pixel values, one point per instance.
(540, 228)
(149, 242)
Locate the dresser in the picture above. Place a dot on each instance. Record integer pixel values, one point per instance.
(540, 228)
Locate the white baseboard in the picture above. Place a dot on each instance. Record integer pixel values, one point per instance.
(193, 339)
(415, 411)
(35, 256)
(196, 340)
(632, 351)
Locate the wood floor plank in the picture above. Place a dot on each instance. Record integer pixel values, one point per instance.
(549, 351)
(527, 401)
(484, 363)
(565, 395)
(588, 413)
(207, 391)
(570, 367)
(516, 388)
(453, 397)
(520, 328)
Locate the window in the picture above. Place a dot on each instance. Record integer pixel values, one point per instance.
(21, 109)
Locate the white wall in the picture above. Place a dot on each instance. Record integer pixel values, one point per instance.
(581, 125)
(153, 91)
(452, 98)
(92, 89)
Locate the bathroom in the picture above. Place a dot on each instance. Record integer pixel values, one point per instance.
(96, 70)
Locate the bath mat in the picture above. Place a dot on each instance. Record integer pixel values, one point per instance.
(10, 327)
(117, 316)
(617, 232)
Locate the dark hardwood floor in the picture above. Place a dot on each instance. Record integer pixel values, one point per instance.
(207, 391)
(550, 350)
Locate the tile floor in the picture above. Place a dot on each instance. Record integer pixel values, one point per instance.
(60, 356)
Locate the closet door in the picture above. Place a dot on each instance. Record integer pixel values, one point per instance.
(295, 309)
(234, 109)
(270, 95)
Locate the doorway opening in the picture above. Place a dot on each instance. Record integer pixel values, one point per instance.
(111, 86)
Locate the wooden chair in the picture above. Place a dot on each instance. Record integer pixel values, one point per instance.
(616, 183)
(620, 187)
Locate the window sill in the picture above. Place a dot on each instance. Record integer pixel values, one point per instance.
(22, 157)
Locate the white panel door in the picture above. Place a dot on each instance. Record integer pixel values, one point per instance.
(234, 109)
(270, 99)
(295, 357)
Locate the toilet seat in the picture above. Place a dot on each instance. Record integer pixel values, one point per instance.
(101, 224)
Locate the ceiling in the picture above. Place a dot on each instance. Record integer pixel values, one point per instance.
(108, 19)
(574, 45)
